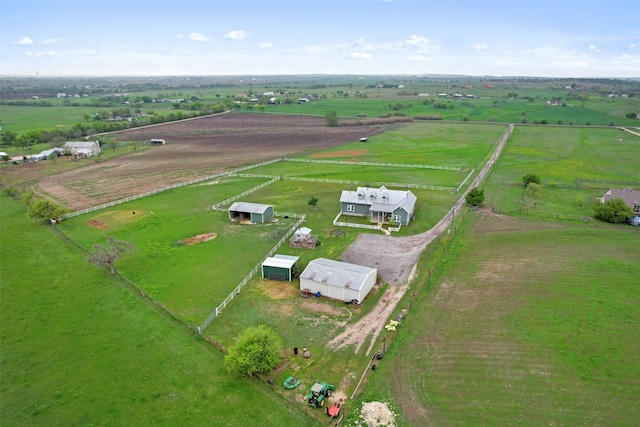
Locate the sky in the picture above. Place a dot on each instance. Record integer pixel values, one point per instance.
(543, 38)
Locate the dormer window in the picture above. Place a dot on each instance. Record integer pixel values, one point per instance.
(385, 198)
(372, 197)
(360, 196)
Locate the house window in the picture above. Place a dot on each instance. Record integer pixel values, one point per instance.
(372, 197)
(351, 208)
(397, 219)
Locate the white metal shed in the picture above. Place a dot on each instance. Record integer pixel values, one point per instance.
(337, 279)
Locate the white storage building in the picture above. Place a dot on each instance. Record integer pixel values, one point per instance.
(337, 279)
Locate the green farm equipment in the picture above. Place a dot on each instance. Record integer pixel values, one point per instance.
(318, 394)
(291, 383)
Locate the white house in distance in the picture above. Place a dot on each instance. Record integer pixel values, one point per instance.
(83, 148)
(337, 279)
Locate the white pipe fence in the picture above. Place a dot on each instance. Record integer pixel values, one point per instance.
(216, 312)
(160, 190)
(386, 165)
(354, 225)
(465, 180)
(220, 206)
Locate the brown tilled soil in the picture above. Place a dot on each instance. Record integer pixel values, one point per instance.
(195, 148)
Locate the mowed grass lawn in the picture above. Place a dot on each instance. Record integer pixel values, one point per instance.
(79, 348)
(526, 323)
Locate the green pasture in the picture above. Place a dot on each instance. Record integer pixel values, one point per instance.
(561, 157)
(20, 119)
(80, 348)
(525, 322)
(594, 112)
(189, 279)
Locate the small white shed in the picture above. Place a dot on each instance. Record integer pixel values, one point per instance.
(337, 279)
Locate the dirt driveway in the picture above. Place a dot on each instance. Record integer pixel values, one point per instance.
(396, 259)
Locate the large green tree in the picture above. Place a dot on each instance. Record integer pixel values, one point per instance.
(613, 210)
(44, 209)
(257, 349)
(331, 117)
(475, 197)
(531, 178)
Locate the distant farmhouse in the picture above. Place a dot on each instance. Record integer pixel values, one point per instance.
(83, 148)
(630, 196)
(379, 204)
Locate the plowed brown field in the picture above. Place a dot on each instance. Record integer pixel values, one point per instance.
(196, 148)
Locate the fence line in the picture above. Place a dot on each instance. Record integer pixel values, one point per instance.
(220, 206)
(353, 225)
(465, 180)
(386, 184)
(397, 165)
(607, 181)
(141, 291)
(160, 190)
(216, 312)
(237, 172)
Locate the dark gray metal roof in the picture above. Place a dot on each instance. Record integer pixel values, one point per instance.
(380, 199)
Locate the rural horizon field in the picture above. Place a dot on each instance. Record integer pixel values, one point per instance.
(526, 318)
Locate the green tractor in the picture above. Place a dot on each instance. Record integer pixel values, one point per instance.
(318, 394)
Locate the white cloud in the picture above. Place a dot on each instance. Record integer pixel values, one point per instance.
(198, 37)
(49, 53)
(594, 48)
(88, 53)
(360, 55)
(422, 44)
(416, 58)
(265, 45)
(25, 41)
(480, 46)
(236, 35)
(52, 42)
(28, 54)
(634, 46)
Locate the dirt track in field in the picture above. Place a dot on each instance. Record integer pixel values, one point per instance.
(195, 148)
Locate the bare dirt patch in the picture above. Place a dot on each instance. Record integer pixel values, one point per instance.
(320, 307)
(377, 414)
(195, 148)
(278, 290)
(94, 223)
(200, 238)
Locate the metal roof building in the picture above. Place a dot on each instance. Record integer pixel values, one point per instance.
(337, 279)
(279, 267)
(250, 212)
